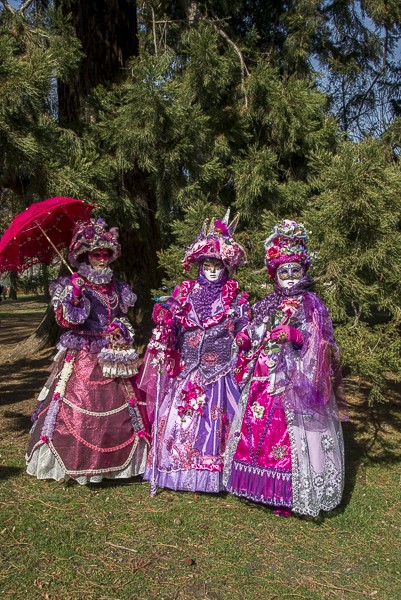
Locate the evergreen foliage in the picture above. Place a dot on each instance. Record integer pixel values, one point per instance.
(223, 108)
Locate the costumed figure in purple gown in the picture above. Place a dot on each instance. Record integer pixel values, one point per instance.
(286, 446)
(192, 344)
(88, 425)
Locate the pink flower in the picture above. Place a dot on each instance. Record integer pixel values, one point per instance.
(162, 315)
(44, 439)
(273, 252)
(221, 228)
(132, 401)
(244, 297)
(289, 306)
(229, 251)
(68, 357)
(56, 396)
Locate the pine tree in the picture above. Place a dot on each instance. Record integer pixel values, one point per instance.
(356, 223)
(220, 106)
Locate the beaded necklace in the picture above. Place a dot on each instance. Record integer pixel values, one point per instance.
(106, 295)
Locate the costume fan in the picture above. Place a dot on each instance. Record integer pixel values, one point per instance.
(87, 424)
(286, 443)
(187, 371)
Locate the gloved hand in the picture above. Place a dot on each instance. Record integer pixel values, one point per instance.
(77, 283)
(243, 341)
(115, 333)
(287, 333)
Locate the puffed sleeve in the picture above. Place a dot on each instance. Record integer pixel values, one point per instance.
(70, 312)
(126, 296)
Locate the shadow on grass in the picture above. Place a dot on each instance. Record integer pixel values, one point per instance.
(16, 329)
(18, 421)
(22, 380)
(8, 472)
(110, 483)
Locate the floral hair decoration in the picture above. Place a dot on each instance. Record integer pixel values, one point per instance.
(89, 236)
(216, 240)
(287, 243)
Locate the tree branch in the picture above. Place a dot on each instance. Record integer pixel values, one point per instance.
(244, 68)
(154, 30)
(8, 7)
(25, 5)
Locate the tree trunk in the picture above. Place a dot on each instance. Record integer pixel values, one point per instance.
(45, 282)
(13, 285)
(139, 263)
(107, 30)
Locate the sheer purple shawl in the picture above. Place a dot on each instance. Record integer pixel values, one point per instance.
(310, 378)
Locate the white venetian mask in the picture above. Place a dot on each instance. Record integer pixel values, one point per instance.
(289, 274)
(99, 258)
(212, 267)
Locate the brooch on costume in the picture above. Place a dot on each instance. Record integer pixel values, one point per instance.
(279, 452)
(258, 410)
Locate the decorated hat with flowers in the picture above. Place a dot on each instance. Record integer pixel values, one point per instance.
(287, 243)
(89, 236)
(216, 240)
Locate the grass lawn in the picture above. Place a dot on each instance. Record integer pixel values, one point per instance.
(112, 541)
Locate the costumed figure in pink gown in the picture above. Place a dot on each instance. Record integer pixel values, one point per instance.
(88, 425)
(194, 399)
(286, 445)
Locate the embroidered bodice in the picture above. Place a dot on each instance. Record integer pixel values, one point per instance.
(205, 344)
(88, 320)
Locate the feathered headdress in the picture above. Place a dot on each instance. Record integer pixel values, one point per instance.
(287, 243)
(90, 235)
(216, 240)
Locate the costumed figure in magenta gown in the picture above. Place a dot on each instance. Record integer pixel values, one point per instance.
(88, 425)
(286, 445)
(196, 395)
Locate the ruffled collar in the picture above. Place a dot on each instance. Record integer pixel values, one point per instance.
(303, 285)
(96, 276)
(202, 279)
(228, 295)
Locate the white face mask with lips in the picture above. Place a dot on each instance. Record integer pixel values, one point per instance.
(212, 268)
(288, 274)
(99, 258)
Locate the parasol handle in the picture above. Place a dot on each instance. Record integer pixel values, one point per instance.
(54, 248)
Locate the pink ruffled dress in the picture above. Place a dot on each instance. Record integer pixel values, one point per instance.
(88, 426)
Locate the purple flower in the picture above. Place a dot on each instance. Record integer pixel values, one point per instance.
(89, 232)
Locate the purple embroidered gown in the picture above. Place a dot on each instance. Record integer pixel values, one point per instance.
(286, 444)
(86, 426)
(190, 447)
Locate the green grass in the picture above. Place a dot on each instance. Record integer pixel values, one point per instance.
(25, 305)
(113, 542)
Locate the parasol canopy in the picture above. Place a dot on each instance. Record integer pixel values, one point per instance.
(39, 233)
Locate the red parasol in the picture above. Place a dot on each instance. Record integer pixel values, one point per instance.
(39, 233)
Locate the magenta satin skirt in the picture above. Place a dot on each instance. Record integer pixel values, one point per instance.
(262, 467)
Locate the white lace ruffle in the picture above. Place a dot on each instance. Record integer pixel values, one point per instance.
(44, 465)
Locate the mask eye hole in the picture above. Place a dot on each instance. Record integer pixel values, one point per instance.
(209, 266)
(284, 273)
